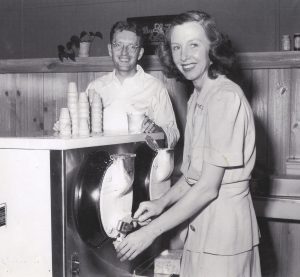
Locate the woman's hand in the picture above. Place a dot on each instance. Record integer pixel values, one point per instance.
(134, 244)
(147, 210)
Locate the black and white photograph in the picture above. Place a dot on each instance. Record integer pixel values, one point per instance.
(156, 138)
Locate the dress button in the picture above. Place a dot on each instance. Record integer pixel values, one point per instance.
(192, 228)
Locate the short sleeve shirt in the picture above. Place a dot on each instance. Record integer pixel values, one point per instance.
(219, 130)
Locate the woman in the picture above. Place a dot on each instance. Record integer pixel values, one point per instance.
(219, 155)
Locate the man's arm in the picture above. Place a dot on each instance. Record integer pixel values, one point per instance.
(164, 117)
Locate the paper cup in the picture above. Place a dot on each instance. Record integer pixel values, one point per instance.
(135, 122)
(64, 114)
(83, 98)
(72, 87)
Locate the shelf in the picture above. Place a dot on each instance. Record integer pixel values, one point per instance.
(289, 59)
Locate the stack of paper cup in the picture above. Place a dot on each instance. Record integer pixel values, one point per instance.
(72, 100)
(65, 122)
(91, 93)
(96, 113)
(83, 115)
(72, 87)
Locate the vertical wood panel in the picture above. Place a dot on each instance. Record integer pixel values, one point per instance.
(29, 103)
(8, 105)
(295, 115)
(279, 248)
(259, 103)
(291, 253)
(279, 118)
(84, 78)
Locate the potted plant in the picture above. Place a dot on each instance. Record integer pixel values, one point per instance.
(81, 42)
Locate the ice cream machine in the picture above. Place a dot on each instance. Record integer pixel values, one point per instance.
(91, 191)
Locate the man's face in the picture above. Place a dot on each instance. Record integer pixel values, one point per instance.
(125, 52)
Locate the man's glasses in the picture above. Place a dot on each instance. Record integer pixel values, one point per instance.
(130, 48)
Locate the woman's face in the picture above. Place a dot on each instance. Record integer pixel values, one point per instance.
(190, 47)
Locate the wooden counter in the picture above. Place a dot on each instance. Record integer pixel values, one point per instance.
(58, 143)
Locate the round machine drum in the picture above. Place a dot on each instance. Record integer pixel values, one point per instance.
(110, 187)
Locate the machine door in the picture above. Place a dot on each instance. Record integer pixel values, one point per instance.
(103, 195)
(107, 186)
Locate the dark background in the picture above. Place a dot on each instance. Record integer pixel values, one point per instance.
(34, 28)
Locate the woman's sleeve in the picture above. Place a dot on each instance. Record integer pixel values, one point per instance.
(225, 130)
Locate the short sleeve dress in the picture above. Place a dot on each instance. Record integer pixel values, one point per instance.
(220, 131)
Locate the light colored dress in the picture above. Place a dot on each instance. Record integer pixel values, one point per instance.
(220, 131)
(142, 93)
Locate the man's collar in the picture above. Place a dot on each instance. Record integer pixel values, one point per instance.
(134, 78)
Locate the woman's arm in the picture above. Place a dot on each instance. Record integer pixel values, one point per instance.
(195, 200)
(149, 209)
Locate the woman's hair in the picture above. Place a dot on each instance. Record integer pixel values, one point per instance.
(126, 26)
(221, 53)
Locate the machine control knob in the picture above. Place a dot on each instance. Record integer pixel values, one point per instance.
(75, 265)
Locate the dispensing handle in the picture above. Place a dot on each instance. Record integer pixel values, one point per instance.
(152, 143)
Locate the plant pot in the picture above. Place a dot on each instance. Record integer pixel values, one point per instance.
(84, 49)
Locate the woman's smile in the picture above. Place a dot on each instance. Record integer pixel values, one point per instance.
(188, 67)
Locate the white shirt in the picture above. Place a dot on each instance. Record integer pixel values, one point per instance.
(140, 93)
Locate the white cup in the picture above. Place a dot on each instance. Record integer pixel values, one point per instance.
(135, 122)
(64, 114)
(83, 98)
(72, 87)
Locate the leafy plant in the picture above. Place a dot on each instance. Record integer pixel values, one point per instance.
(68, 51)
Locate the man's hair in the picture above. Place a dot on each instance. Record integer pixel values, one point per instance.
(221, 52)
(127, 26)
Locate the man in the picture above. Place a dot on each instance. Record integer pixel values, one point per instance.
(128, 89)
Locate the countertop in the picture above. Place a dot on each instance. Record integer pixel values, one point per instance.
(61, 143)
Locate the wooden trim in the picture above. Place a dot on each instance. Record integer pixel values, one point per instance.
(277, 207)
(53, 65)
(268, 60)
(290, 59)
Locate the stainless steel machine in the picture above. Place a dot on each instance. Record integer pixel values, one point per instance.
(60, 202)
